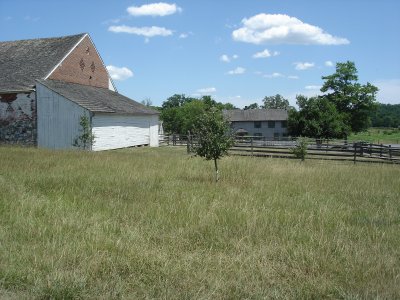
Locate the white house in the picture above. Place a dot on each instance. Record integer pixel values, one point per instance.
(48, 85)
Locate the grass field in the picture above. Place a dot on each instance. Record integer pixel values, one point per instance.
(151, 223)
(378, 135)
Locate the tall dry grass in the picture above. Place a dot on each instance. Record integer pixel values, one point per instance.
(151, 223)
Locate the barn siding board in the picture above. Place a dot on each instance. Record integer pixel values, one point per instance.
(120, 131)
(58, 119)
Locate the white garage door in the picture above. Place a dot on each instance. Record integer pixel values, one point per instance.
(113, 131)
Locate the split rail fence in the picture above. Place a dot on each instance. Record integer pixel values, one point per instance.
(317, 149)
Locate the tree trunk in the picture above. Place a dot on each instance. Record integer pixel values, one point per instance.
(216, 171)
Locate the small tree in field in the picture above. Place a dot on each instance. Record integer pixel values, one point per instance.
(214, 138)
(86, 138)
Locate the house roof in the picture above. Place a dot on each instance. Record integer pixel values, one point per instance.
(24, 61)
(98, 100)
(239, 115)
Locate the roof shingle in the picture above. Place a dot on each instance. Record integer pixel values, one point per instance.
(24, 61)
(98, 100)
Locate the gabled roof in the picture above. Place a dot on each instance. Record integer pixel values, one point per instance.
(98, 100)
(239, 115)
(24, 61)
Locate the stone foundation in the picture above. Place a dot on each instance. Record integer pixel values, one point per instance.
(18, 119)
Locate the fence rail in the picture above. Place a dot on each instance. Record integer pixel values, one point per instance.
(316, 149)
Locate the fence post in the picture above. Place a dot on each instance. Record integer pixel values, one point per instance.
(390, 152)
(380, 153)
(251, 141)
(188, 143)
(355, 152)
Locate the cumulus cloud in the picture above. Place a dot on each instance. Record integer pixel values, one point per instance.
(208, 90)
(160, 9)
(283, 29)
(266, 53)
(389, 90)
(303, 65)
(143, 31)
(226, 58)
(328, 63)
(274, 75)
(237, 71)
(117, 73)
(313, 87)
(293, 77)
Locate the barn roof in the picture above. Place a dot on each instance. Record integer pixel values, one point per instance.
(239, 115)
(98, 100)
(24, 61)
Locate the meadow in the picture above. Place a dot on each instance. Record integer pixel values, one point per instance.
(378, 135)
(152, 223)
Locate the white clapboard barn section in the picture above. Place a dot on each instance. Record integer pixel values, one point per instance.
(48, 85)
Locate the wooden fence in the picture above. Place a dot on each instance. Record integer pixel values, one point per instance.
(317, 149)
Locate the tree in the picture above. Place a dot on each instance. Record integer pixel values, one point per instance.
(317, 118)
(214, 137)
(251, 106)
(275, 102)
(86, 138)
(351, 99)
(147, 102)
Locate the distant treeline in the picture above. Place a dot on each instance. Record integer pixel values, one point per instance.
(386, 115)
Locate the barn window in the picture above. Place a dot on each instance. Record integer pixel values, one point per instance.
(92, 67)
(271, 124)
(257, 124)
(87, 50)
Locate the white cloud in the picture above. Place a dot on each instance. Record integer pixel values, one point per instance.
(160, 9)
(293, 77)
(274, 75)
(226, 58)
(117, 73)
(328, 63)
(313, 87)
(389, 90)
(183, 35)
(303, 65)
(266, 53)
(143, 31)
(237, 71)
(208, 90)
(283, 29)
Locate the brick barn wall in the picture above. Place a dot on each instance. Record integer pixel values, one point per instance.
(83, 66)
(18, 119)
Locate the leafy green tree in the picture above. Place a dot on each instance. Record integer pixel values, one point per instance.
(317, 118)
(213, 135)
(251, 106)
(275, 102)
(351, 99)
(386, 115)
(86, 138)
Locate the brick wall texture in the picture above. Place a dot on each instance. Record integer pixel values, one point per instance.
(83, 65)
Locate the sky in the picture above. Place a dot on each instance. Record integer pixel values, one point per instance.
(237, 51)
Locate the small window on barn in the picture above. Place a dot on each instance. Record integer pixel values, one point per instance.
(283, 124)
(257, 124)
(271, 124)
(87, 50)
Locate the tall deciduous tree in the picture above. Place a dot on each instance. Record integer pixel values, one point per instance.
(275, 102)
(317, 118)
(353, 100)
(214, 138)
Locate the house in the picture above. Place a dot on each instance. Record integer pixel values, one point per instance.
(48, 85)
(268, 123)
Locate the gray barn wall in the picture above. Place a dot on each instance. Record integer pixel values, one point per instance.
(58, 119)
(264, 130)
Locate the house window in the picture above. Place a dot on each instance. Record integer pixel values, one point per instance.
(283, 124)
(257, 124)
(271, 124)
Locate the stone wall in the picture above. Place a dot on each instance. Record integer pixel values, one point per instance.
(18, 118)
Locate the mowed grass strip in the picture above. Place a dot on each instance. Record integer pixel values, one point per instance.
(151, 223)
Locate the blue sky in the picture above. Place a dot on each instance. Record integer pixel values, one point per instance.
(237, 51)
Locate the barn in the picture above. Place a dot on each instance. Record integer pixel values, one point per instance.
(48, 85)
